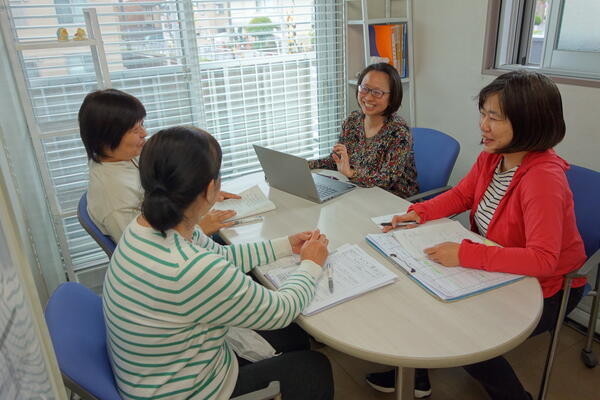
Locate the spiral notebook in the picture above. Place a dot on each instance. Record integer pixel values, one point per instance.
(354, 273)
(405, 247)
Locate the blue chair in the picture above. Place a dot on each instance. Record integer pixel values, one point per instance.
(585, 185)
(76, 325)
(104, 241)
(435, 156)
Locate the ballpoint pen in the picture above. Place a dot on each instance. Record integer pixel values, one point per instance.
(399, 223)
(330, 277)
(248, 220)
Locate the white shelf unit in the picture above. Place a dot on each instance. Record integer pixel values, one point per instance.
(359, 15)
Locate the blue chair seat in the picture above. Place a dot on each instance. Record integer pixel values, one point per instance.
(76, 325)
(104, 241)
(435, 156)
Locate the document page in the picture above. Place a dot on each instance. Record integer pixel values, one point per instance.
(387, 218)
(444, 282)
(354, 273)
(416, 240)
(253, 201)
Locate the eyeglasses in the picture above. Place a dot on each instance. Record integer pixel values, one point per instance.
(374, 92)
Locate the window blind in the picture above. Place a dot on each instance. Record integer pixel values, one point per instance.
(264, 71)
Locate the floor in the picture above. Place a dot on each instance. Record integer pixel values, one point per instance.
(570, 379)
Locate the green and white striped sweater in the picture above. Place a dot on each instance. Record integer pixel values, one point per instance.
(168, 303)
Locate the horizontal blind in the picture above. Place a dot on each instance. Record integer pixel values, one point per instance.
(259, 80)
(266, 71)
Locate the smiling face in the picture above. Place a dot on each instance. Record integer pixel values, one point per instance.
(496, 129)
(369, 104)
(130, 145)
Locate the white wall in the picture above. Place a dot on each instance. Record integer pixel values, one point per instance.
(448, 41)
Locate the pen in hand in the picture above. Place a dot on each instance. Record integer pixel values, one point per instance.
(330, 277)
(405, 223)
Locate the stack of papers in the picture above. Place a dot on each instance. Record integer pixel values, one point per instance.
(253, 201)
(354, 273)
(405, 247)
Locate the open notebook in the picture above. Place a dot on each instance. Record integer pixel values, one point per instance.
(253, 201)
(405, 248)
(354, 273)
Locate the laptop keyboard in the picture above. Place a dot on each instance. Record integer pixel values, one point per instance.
(325, 191)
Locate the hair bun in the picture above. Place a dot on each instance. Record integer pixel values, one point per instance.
(159, 191)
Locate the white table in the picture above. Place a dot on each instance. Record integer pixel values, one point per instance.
(400, 324)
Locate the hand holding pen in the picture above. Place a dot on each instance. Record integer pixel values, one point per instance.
(409, 220)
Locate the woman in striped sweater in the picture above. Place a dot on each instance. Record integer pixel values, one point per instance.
(518, 197)
(171, 293)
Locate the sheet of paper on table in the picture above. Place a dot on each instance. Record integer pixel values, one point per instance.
(354, 273)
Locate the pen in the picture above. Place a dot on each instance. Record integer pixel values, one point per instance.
(248, 220)
(330, 277)
(328, 176)
(399, 223)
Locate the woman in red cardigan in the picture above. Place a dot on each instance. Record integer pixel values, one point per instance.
(518, 197)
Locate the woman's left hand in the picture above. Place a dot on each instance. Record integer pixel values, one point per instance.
(226, 195)
(297, 240)
(444, 253)
(342, 160)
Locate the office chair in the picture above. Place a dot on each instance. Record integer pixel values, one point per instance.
(585, 185)
(435, 155)
(104, 241)
(78, 333)
(76, 325)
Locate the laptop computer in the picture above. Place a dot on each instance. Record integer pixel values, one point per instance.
(292, 175)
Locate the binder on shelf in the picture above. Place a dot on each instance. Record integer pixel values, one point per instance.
(405, 249)
(354, 273)
(390, 42)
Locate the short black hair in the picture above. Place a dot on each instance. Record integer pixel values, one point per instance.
(396, 92)
(533, 105)
(176, 165)
(104, 117)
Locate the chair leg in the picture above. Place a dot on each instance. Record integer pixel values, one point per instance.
(587, 355)
(554, 341)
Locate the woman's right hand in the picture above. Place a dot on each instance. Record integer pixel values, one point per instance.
(408, 217)
(315, 248)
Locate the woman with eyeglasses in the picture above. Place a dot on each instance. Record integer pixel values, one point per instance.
(171, 294)
(375, 147)
(111, 125)
(518, 197)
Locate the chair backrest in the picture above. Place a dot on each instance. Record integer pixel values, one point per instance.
(104, 241)
(435, 155)
(585, 185)
(76, 325)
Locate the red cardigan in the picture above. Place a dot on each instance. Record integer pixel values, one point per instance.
(534, 222)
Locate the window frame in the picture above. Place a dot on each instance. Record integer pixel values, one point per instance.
(491, 43)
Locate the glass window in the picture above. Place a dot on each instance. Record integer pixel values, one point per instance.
(558, 37)
(268, 73)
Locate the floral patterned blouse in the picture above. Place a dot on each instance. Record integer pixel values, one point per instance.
(386, 160)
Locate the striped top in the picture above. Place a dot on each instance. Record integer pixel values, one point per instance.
(168, 303)
(492, 197)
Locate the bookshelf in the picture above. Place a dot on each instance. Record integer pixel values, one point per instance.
(359, 15)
